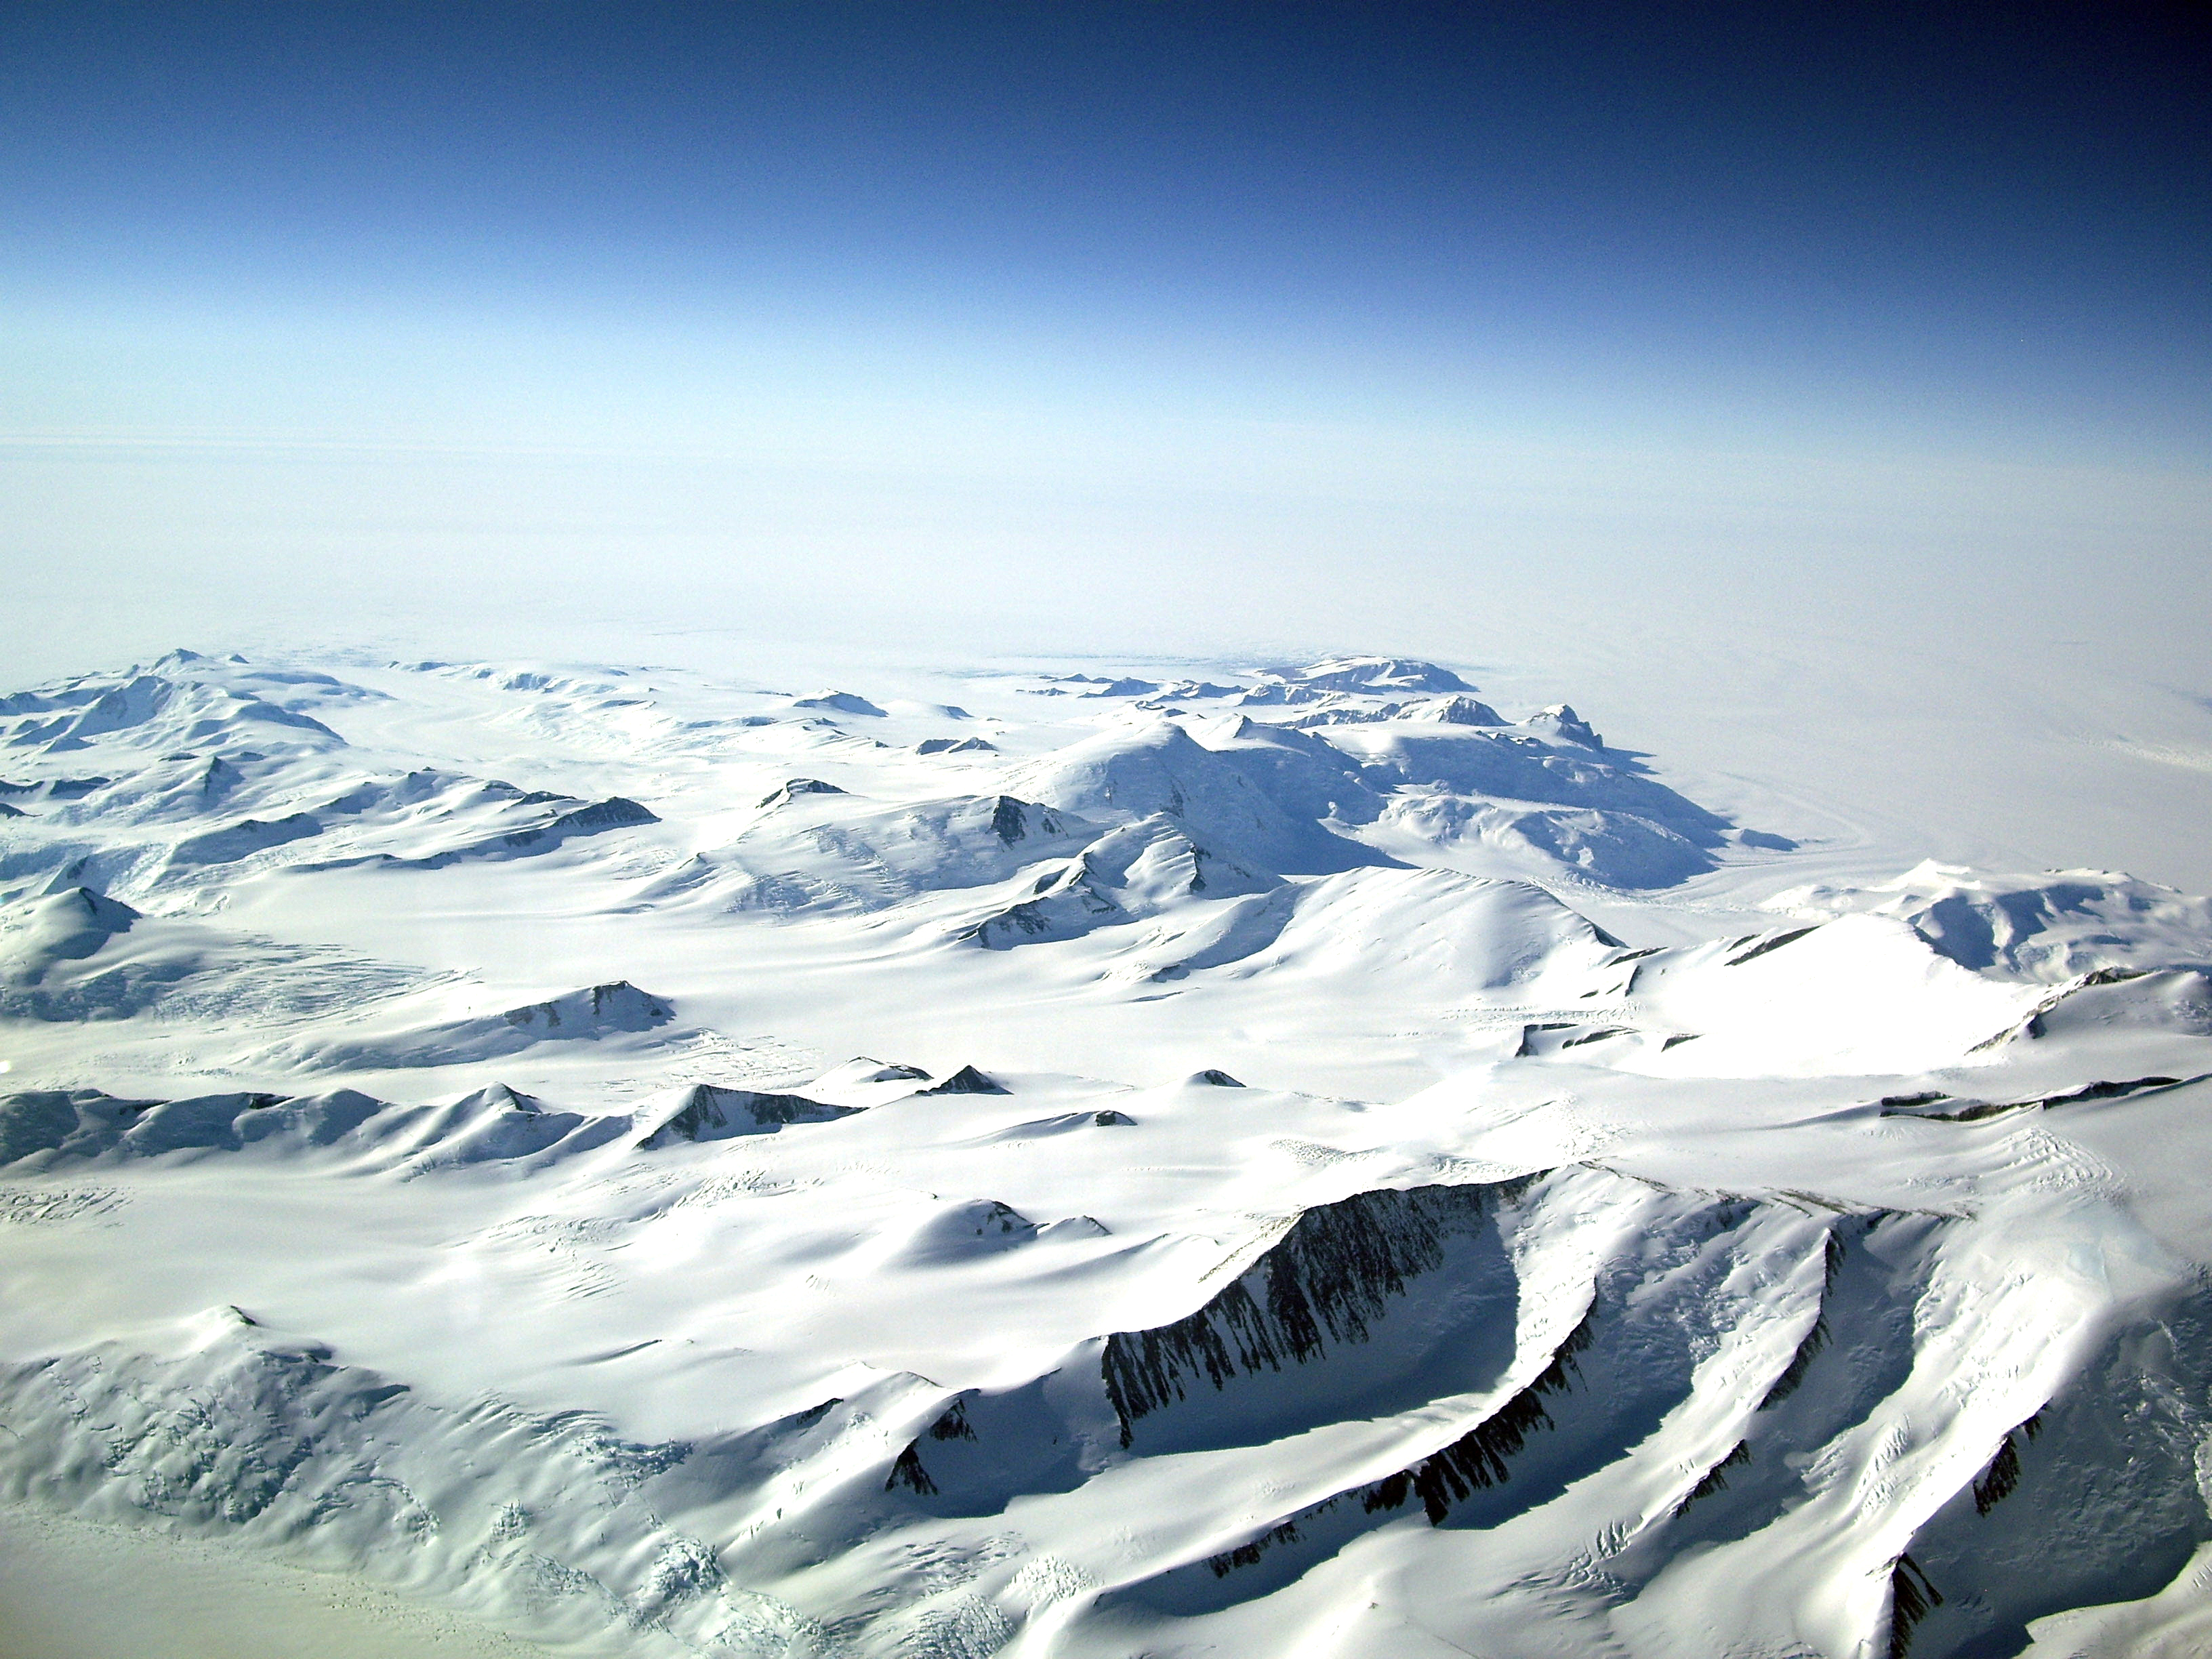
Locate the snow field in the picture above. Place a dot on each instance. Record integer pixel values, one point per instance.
(1287, 1220)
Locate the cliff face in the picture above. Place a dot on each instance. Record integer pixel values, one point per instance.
(1332, 1277)
(1481, 1457)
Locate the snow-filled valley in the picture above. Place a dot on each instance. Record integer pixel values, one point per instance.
(1299, 1161)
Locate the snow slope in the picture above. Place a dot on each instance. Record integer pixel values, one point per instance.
(1358, 1173)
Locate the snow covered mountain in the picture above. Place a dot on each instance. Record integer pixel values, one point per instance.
(1355, 1173)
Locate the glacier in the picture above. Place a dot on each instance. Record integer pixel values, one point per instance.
(1362, 1169)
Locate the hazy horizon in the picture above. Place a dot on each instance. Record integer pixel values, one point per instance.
(1701, 336)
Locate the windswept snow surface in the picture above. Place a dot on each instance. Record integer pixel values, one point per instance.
(1298, 1161)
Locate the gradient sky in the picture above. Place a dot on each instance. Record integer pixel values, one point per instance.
(1244, 323)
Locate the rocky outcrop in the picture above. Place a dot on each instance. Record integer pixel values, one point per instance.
(956, 746)
(617, 1006)
(1481, 1456)
(1912, 1597)
(1337, 1270)
(1451, 711)
(790, 792)
(708, 1113)
(840, 703)
(966, 1081)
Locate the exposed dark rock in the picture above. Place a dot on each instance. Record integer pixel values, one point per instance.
(909, 1472)
(1995, 1482)
(1345, 714)
(907, 1469)
(708, 1110)
(1773, 942)
(992, 1216)
(1911, 1598)
(1998, 1481)
(1125, 687)
(798, 786)
(1481, 1458)
(508, 1098)
(1247, 1555)
(2113, 976)
(955, 746)
(1112, 1120)
(1013, 819)
(1793, 1374)
(1067, 898)
(1216, 1080)
(954, 1425)
(1525, 1046)
(1336, 1270)
(792, 1109)
(615, 812)
(1715, 1480)
(1816, 1339)
(1562, 722)
(1597, 1036)
(1974, 1111)
(1453, 711)
(2108, 1091)
(619, 1006)
(840, 703)
(967, 1081)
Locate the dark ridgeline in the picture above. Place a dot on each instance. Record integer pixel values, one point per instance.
(1335, 1271)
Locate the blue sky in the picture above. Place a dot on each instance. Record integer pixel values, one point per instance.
(1292, 307)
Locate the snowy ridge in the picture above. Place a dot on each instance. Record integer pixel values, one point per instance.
(1578, 1221)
